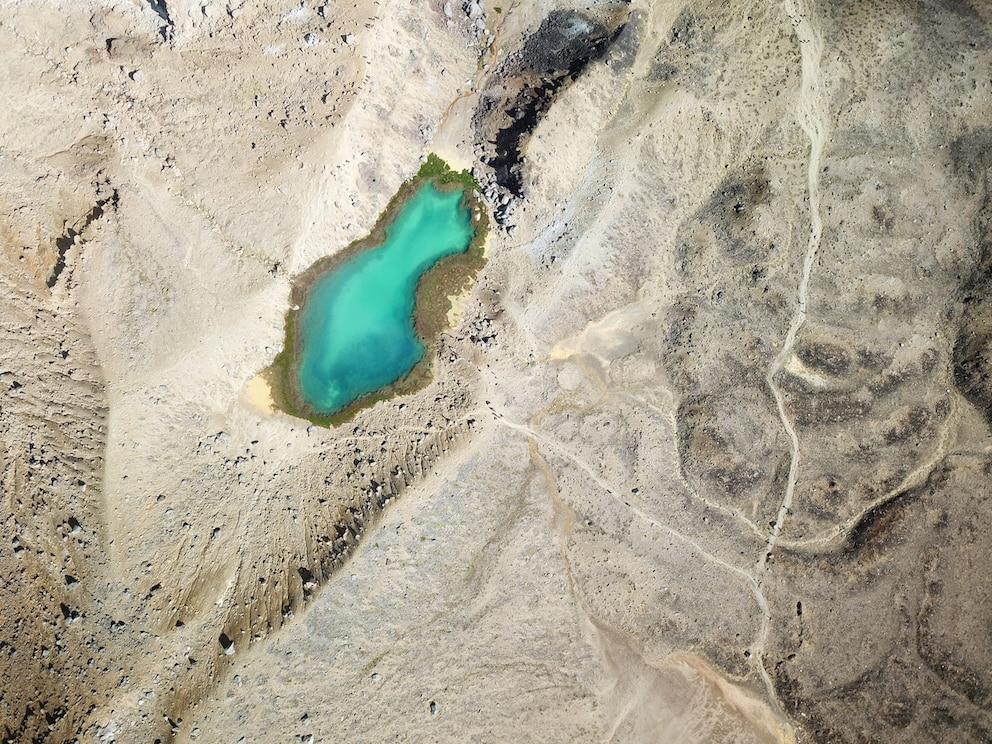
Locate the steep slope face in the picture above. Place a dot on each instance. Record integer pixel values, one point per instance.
(60, 647)
(705, 456)
(158, 519)
(54, 632)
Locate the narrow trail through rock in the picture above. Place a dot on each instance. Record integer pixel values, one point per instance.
(812, 117)
(745, 576)
(589, 471)
(714, 505)
(831, 539)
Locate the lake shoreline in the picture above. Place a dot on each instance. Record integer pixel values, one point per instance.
(450, 276)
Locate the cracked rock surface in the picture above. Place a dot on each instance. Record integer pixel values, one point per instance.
(706, 456)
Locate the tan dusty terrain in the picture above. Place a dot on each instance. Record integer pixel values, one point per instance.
(707, 453)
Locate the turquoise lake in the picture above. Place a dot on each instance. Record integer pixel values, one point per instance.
(356, 326)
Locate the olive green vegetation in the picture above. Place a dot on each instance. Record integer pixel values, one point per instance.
(435, 168)
(449, 276)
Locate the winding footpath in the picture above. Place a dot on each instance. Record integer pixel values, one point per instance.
(812, 117)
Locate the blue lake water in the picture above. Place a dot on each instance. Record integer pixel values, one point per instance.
(356, 327)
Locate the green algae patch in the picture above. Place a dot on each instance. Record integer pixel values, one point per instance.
(364, 323)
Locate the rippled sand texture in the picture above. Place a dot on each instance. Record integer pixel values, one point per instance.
(706, 457)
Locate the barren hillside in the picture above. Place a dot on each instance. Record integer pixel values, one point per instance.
(706, 454)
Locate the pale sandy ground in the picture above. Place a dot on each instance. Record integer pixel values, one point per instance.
(694, 466)
(259, 394)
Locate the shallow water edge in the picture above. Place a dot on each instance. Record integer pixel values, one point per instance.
(449, 276)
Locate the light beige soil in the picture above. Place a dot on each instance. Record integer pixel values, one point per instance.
(706, 454)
